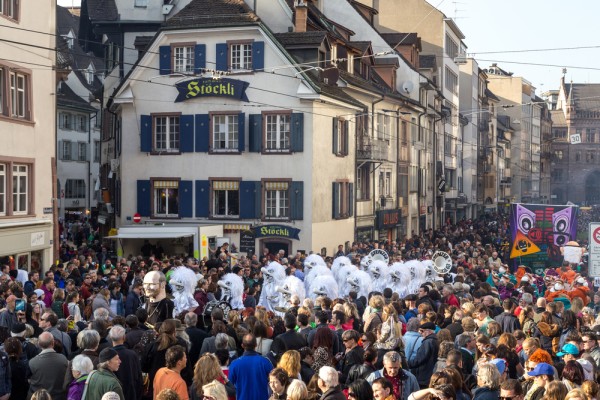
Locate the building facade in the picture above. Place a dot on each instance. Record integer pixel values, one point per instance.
(27, 122)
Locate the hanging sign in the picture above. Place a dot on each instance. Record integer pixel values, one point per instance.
(208, 87)
(276, 231)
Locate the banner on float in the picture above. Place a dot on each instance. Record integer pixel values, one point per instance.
(538, 231)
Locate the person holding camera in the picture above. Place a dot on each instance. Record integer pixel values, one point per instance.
(14, 312)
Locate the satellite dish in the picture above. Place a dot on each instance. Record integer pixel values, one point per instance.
(407, 87)
(442, 262)
(330, 75)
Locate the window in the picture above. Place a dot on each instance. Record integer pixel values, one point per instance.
(2, 189)
(384, 128)
(65, 120)
(20, 177)
(75, 189)
(277, 200)
(451, 47)
(590, 135)
(225, 132)
(166, 198)
(81, 123)
(90, 74)
(97, 149)
(66, 150)
(340, 137)
(578, 156)
(183, 58)
(403, 183)
(342, 200)
(166, 133)
(226, 199)
(17, 94)
(10, 8)
(240, 56)
(414, 178)
(451, 81)
(589, 156)
(557, 175)
(277, 131)
(82, 152)
(363, 187)
(141, 3)
(385, 183)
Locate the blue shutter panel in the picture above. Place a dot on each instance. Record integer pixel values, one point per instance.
(164, 64)
(146, 133)
(202, 133)
(143, 198)
(241, 132)
(258, 55)
(297, 200)
(351, 199)
(335, 202)
(248, 198)
(346, 138)
(335, 136)
(222, 57)
(258, 203)
(255, 132)
(297, 140)
(199, 58)
(202, 199)
(185, 199)
(186, 130)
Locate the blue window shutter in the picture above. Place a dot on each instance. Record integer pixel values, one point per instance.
(241, 132)
(185, 199)
(202, 199)
(346, 138)
(199, 58)
(335, 136)
(143, 198)
(222, 57)
(297, 139)
(336, 203)
(351, 199)
(258, 56)
(255, 132)
(164, 53)
(297, 200)
(202, 133)
(186, 130)
(258, 203)
(248, 198)
(146, 133)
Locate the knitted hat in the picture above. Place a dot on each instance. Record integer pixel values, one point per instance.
(107, 354)
(111, 396)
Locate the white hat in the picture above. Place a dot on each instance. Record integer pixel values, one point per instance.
(558, 286)
(502, 270)
(39, 292)
(580, 280)
(525, 279)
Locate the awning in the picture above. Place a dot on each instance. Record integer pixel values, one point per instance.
(151, 235)
(236, 227)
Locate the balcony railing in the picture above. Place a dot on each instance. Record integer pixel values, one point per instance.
(370, 149)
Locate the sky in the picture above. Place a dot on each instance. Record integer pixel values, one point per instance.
(508, 25)
(505, 26)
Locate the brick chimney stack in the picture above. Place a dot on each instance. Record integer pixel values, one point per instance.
(301, 15)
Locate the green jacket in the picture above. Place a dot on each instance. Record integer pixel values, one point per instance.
(100, 382)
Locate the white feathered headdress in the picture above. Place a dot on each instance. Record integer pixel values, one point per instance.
(379, 272)
(360, 282)
(232, 290)
(323, 285)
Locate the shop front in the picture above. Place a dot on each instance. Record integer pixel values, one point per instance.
(27, 246)
(387, 222)
(275, 237)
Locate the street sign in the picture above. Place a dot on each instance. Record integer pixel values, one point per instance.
(575, 138)
(137, 218)
(594, 249)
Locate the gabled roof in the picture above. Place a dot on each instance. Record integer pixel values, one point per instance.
(387, 61)
(504, 122)
(427, 61)
(586, 96)
(66, 98)
(65, 21)
(101, 10)
(558, 118)
(301, 39)
(490, 94)
(398, 38)
(207, 13)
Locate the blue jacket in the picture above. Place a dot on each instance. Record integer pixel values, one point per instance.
(412, 342)
(250, 376)
(409, 382)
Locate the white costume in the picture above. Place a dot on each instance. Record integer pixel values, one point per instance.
(324, 285)
(360, 282)
(232, 290)
(291, 286)
(183, 283)
(342, 279)
(338, 263)
(315, 271)
(379, 272)
(274, 275)
(416, 268)
(399, 279)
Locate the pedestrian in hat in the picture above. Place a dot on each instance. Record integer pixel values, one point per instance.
(104, 379)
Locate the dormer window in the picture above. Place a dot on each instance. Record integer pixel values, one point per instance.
(350, 62)
(334, 54)
(70, 38)
(89, 74)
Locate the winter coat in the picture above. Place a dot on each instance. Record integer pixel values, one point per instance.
(508, 322)
(100, 382)
(76, 388)
(548, 335)
(412, 342)
(485, 393)
(424, 362)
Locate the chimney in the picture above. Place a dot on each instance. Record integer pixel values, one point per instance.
(301, 15)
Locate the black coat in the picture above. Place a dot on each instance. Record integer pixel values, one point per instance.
(424, 362)
(484, 393)
(333, 394)
(289, 340)
(129, 373)
(197, 337)
(508, 322)
(351, 358)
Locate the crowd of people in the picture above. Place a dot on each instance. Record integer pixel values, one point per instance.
(94, 328)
